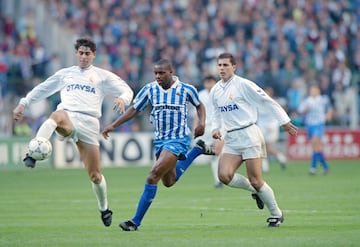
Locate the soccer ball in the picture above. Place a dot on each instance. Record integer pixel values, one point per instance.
(40, 148)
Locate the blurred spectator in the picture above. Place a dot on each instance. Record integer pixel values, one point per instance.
(275, 42)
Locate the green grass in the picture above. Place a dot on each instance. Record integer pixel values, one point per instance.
(46, 207)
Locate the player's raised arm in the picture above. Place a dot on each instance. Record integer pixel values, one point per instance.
(129, 114)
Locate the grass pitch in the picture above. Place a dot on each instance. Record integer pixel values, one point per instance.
(46, 207)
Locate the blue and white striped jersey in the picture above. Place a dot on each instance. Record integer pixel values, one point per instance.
(315, 109)
(170, 112)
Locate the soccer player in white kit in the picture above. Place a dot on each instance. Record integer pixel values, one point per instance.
(235, 100)
(216, 145)
(82, 90)
(269, 126)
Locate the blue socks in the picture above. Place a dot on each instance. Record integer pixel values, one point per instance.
(144, 203)
(318, 156)
(150, 189)
(182, 165)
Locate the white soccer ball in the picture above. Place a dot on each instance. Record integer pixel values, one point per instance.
(40, 148)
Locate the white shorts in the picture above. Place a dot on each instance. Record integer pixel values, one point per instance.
(248, 142)
(86, 128)
(271, 133)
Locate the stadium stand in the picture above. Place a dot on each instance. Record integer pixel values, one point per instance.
(280, 43)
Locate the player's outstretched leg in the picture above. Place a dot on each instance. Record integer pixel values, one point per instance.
(145, 201)
(199, 148)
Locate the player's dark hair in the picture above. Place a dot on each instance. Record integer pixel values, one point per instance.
(165, 62)
(227, 55)
(87, 42)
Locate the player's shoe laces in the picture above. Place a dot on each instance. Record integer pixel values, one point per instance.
(275, 221)
(106, 217)
(128, 226)
(207, 150)
(29, 162)
(259, 202)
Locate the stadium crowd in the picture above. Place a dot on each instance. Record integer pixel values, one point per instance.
(285, 44)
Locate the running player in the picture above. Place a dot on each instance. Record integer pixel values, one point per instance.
(168, 97)
(269, 126)
(317, 110)
(204, 95)
(82, 90)
(235, 101)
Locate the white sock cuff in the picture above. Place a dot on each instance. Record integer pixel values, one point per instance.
(47, 128)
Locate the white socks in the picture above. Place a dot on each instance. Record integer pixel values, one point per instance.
(101, 194)
(214, 168)
(265, 165)
(47, 129)
(266, 194)
(239, 181)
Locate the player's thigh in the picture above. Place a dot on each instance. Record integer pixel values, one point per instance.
(90, 155)
(62, 119)
(164, 167)
(228, 164)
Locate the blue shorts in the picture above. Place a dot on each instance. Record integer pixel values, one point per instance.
(315, 130)
(178, 147)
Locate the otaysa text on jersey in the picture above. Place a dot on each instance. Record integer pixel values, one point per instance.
(77, 86)
(231, 107)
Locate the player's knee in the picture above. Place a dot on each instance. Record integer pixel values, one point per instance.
(225, 178)
(256, 183)
(95, 177)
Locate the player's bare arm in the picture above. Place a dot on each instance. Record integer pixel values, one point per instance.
(129, 114)
(18, 112)
(200, 128)
(290, 128)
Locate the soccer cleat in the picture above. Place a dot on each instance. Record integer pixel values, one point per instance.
(106, 217)
(207, 150)
(282, 160)
(29, 162)
(259, 202)
(128, 226)
(275, 221)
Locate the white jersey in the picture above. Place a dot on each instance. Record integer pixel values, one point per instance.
(204, 96)
(81, 90)
(235, 103)
(266, 119)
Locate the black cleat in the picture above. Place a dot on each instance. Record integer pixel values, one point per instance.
(275, 221)
(106, 217)
(259, 202)
(128, 226)
(29, 161)
(207, 150)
